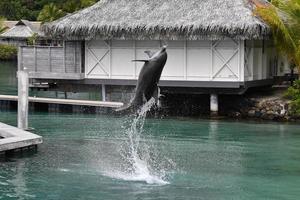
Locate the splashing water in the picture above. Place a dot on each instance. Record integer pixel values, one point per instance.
(140, 161)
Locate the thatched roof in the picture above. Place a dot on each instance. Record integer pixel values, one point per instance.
(9, 24)
(22, 29)
(161, 19)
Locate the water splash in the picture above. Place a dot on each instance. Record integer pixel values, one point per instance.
(140, 161)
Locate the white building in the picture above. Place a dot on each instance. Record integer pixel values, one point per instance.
(217, 44)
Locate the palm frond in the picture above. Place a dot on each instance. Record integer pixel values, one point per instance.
(283, 16)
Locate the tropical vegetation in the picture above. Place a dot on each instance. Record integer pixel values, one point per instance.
(34, 9)
(283, 16)
(2, 26)
(50, 13)
(8, 52)
(293, 93)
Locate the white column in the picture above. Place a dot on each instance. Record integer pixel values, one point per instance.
(103, 90)
(214, 104)
(23, 87)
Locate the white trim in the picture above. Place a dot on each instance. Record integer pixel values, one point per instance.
(242, 60)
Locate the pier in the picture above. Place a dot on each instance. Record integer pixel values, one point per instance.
(105, 104)
(12, 138)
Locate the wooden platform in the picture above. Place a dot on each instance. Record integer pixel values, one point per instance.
(66, 101)
(14, 138)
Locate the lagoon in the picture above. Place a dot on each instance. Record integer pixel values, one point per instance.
(196, 158)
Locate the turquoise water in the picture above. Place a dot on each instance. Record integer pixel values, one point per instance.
(201, 159)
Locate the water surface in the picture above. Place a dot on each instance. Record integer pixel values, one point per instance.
(203, 160)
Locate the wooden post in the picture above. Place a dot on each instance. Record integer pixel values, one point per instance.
(103, 93)
(23, 87)
(20, 61)
(49, 59)
(214, 104)
(35, 59)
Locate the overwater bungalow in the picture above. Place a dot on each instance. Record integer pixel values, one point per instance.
(214, 47)
(18, 33)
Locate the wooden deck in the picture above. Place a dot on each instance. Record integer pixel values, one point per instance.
(106, 104)
(13, 138)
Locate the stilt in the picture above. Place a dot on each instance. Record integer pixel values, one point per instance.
(158, 98)
(23, 87)
(103, 90)
(214, 104)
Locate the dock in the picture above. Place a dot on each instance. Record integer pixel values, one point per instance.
(12, 138)
(105, 104)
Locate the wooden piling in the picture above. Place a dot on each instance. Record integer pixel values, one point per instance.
(214, 104)
(23, 87)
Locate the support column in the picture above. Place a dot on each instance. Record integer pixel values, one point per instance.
(23, 87)
(214, 104)
(103, 90)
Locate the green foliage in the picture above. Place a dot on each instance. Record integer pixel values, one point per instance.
(283, 16)
(32, 39)
(30, 9)
(2, 28)
(8, 52)
(50, 13)
(295, 107)
(74, 5)
(293, 93)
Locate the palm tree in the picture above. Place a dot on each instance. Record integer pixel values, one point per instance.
(50, 13)
(283, 16)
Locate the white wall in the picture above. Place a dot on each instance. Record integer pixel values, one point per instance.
(187, 60)
(260, 60)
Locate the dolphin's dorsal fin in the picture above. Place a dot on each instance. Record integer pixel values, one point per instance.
(140, 60)
(149, 53)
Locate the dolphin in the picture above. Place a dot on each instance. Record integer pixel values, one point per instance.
(149, 77)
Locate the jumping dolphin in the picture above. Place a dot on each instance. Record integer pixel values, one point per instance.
(149, 77)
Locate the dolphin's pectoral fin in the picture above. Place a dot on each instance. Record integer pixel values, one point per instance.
(140, 60)
(149, 53)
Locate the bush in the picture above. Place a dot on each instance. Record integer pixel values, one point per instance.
(8, 52)
(293, 93)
